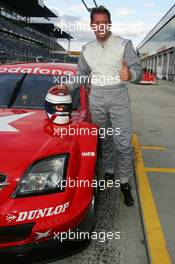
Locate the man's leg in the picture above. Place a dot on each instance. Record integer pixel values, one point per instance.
(120, 116)
(100, 117)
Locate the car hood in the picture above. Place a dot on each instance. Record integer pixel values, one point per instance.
(27, 136)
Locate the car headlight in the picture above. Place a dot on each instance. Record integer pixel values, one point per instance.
(45, 176)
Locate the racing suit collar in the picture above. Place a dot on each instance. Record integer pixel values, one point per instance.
(106, 41)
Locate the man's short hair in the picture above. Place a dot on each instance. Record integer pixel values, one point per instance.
(100, 10)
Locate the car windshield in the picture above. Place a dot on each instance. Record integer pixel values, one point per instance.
(31, 90)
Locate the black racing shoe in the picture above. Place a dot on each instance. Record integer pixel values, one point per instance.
(126, 191)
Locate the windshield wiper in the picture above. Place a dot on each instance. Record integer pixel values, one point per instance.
(16, 91)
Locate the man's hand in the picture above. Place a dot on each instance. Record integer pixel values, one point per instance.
(125, 74)
(62, 88)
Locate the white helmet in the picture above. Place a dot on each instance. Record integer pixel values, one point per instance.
(58, 106)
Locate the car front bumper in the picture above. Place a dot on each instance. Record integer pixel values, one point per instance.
(52, 249)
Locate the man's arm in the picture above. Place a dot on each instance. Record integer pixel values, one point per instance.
(133, 62)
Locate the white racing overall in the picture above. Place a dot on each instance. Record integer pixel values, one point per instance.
(109, 100)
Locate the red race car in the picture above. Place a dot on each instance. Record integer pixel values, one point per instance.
(37, 157)
(148, 78)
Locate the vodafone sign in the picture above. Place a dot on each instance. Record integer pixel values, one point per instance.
(36, 70)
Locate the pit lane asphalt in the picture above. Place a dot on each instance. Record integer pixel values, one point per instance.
(113, 216)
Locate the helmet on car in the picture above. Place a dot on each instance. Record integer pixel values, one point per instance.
(58, 105)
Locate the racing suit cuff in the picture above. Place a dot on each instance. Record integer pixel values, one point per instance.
(133, 75)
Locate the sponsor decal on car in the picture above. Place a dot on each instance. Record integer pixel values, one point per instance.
(88, 154)
(36, 70)
(5, 120)
(37, 213)
(40, 235)
(10, 218)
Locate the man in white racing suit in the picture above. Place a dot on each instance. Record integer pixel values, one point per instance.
(110, 62)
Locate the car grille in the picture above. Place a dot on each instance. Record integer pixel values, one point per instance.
(15, 233)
